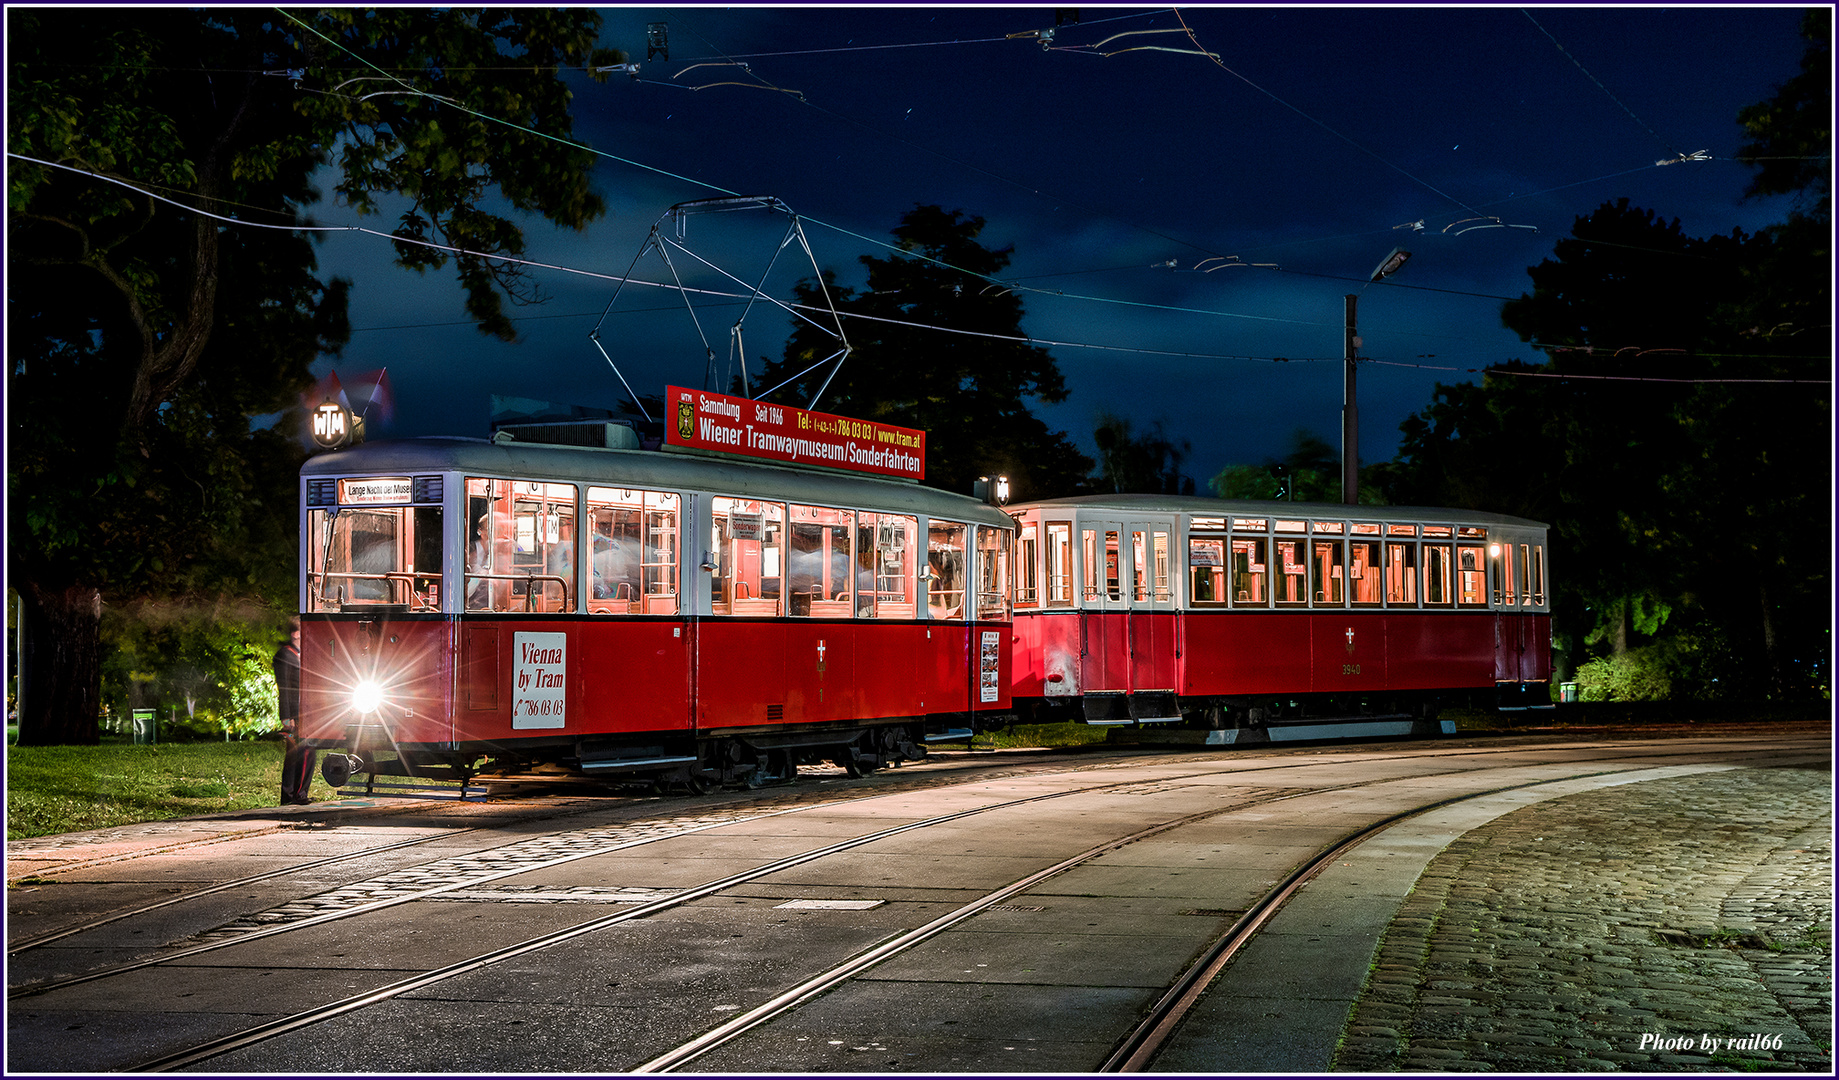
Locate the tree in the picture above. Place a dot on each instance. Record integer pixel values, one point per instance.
(1310, 472)
(968, 390)
(1149, 463)
(1682, 509)
(144, 335)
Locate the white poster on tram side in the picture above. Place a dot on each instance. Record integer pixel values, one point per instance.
(989, 689)
(539, 692)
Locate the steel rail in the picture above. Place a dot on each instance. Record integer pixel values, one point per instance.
(15, 948)
(34, 989)
(263, 1032)
(1145, 1040)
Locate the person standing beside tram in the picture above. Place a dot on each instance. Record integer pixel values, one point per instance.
(297, 765)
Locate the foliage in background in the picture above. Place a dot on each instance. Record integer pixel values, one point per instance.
(1309, 472)
(142, 336)
(54, 789)
(969, 392)
(1147, 463)
(208, 673)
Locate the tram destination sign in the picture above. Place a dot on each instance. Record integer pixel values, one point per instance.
(703, 420)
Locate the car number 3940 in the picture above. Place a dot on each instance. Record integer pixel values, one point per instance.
(1350, 669)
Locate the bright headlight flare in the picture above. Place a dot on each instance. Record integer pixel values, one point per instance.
(367, 697)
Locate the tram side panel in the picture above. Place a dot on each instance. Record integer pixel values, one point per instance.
(1046, 655)
(1348, 652)
(634, 676)
(743, 677)
(1440, 651)
(1228, 653)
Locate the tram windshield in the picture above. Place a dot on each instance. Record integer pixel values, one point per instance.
(388, 558)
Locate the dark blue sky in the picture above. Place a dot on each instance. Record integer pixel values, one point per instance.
(1316, 134)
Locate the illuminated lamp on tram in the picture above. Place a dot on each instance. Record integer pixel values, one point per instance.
(367, 697)
(332, 425)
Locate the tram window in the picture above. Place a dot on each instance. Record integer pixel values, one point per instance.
(1364, 571)
(632, 565)
(1291, 526)
(1365, 528)
(1159, 556)
(1401, 530)
(1250, 525)
(885, 585)
(749, 536)
(1088, 551)
(1206, 570)
(1027, 568)
(1059, 563)
(1290, 585)
(374, 557)
(994, 551)
(1325, 573)
(819, 567)
(1436, 575)
(945, 561)
(520, 551)
(1526, 596)
(1139, 566)
(1506, 575)
(1537, 562)
(1114, 581)
(1248, 572)
(1471, 584)
(1402, 574)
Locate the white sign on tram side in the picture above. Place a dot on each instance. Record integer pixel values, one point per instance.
(539, 695)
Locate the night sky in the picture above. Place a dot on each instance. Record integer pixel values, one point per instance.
(1291, 163)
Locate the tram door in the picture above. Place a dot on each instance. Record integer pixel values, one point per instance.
(1152, 606)
(1127, 593)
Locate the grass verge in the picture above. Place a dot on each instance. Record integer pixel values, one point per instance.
(1023, 736)
(55, 789)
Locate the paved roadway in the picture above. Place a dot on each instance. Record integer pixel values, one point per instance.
(1629, 902)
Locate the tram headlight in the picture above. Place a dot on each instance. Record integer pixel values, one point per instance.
(367, 697)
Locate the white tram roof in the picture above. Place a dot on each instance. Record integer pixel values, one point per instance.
(649, 469)
(1194, 505)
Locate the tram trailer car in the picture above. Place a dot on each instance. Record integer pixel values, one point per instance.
(1262, 621)
(480, 608)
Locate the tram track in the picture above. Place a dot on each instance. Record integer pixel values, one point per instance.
(1648, 753)
(817, 985)
(340, 903)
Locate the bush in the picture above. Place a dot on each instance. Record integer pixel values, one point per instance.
(1692, 665)
(205, 671)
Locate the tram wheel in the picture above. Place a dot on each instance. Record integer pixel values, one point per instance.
(856, 763)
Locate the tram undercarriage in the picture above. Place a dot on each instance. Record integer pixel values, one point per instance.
(749, 758)
(1242, 720)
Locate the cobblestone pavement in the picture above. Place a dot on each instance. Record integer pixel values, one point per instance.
(1679, 925)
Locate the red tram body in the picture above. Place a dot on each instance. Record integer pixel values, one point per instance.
(1275, 620)
(518, 608)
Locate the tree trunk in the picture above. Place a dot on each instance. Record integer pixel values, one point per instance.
(1772, 669)
(62, 664)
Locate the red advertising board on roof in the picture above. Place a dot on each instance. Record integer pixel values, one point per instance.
(704, 420)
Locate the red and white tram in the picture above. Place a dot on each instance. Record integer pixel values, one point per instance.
(1275, 620)
(475, 606)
